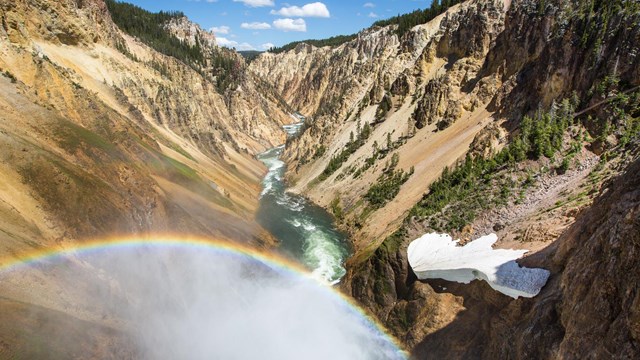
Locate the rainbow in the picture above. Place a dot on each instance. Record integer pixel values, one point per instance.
(278, 263)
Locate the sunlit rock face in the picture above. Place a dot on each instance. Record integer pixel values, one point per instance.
(437, 256)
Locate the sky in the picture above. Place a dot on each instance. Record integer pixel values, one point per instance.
(260, 24)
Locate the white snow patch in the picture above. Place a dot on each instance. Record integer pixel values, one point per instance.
(437, 256)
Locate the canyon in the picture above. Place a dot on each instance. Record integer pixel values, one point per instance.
(518, 118)
(459, 86)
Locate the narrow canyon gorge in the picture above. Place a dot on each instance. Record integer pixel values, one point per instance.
(261, 196)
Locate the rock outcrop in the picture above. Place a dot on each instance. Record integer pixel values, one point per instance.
(190, 32)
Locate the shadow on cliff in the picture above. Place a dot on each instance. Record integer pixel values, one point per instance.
(467, 336)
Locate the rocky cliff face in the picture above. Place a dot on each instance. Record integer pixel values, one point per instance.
(254, 111)
(190, 32)
(65, 22)
(460, 83)
(383, 81)
(589, 309)
(479, 64)
(103, 135)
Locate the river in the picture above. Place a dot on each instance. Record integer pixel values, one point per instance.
(306, 232)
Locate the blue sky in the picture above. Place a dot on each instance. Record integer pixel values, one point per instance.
(258, 24)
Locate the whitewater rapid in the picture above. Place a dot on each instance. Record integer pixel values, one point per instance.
(306, 232)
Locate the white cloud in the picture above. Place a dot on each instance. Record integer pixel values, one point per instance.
(267, 46)
(220, 29)
(255, 26)
(290, 25)
(222, 41)
(372, 15)
(369, 5)
(256, 3)
(316, 9)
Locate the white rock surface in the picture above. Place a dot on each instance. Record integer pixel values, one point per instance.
(437, 256)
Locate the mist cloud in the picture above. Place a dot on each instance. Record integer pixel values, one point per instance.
(183, 303)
